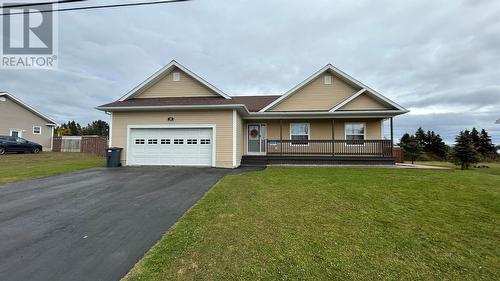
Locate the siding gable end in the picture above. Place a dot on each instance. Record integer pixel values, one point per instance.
(186, 86)
(317, 95)
(365, 102)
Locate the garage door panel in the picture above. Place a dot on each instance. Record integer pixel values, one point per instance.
(171, 146)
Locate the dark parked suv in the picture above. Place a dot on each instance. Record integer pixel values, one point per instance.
(16, 144)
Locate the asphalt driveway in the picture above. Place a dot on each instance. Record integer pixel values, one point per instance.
(92, 225)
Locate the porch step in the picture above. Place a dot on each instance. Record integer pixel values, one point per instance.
(253, 160)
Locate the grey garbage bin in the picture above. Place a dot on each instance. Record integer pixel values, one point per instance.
(113, 156)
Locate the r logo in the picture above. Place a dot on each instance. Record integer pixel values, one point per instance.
(30, 33)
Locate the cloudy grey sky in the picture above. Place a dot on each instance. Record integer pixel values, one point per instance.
(440, 59)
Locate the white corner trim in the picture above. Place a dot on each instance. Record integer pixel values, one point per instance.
(52, 138)
(235, 128)
(346, 101)
(339, 73)
(161, 73)
(25, 105)
(110, 141)
(176, 126)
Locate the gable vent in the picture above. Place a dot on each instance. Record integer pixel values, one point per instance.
(328, 79)
(2, 99)
(176, 76)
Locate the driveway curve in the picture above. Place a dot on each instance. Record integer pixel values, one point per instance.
(95, 224)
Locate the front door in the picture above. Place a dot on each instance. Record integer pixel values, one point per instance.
(256, 139)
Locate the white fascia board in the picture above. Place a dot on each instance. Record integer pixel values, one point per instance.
(36, 112)
(346, 101)
(326, 114)
(341, 74)
(240, 107)
(161, 73)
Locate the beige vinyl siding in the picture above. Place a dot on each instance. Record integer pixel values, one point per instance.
(186, 87)
(317, 96)
(239, 139)
(364, 102)
(222, 119)
(15, 116)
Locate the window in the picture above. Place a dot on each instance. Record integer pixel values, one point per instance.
(37, 130)
(328, 79)
(205, 141)
(299, 133)
(140, 141)
(192, 141)
(176, 76)
(152, 141)
(165, 141)
(178, 141)
(355, 133)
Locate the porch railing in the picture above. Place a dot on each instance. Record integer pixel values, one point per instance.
(381, 148)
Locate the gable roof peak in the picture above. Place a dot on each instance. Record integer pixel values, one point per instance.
(158, 75)
(29, 108)
(341, 74)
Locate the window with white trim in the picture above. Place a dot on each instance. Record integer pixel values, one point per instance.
(299, 133)
(192, 141)
(178, 141)
(204, 141)
(152, 141)
(176, 76)
(140, 141)
(355, 133)
(164, 141)
(328, 79)
(37, 130)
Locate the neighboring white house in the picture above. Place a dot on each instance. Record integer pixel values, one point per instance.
(21, 120)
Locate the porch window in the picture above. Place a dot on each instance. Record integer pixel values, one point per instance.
(299, 133)
(355, 133)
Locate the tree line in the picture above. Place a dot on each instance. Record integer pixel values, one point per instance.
(72, 128)
(470, 147)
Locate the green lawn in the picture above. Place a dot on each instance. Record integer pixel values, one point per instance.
(15, 167)
(336, 224)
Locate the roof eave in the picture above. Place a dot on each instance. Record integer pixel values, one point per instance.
(241, 107)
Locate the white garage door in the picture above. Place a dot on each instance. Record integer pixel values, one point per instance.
(172, 146)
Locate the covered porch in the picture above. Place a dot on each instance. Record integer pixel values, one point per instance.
(318, 141)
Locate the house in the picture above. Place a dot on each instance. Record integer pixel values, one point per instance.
(175, 117)
(21, 120)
